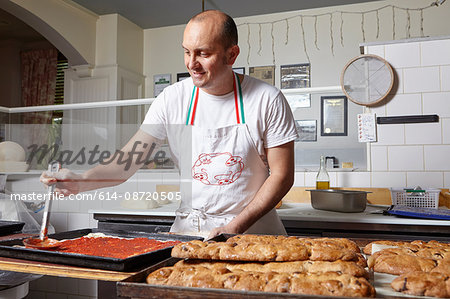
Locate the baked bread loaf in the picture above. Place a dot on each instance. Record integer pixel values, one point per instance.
(430, 253)
(432, 284)
(271, 248)
(400, 264)
(414, 245)
(327, 284)
(350, 268)
(443, 266)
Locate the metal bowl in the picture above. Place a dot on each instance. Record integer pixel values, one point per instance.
(347, 201)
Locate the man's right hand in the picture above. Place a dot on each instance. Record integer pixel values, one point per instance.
(66, 181)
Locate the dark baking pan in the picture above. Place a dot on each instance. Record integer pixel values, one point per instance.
(136, 287)
(15, 249)
(9, 227)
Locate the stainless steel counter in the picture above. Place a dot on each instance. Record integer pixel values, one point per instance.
(299, 219)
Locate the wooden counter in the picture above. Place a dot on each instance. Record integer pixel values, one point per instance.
(34, 267)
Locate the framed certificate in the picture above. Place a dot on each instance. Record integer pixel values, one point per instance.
(333, 114)
(264, 73)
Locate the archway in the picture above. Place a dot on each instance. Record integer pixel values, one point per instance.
(54, 37)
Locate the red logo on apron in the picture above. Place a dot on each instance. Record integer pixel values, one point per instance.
(217, 168)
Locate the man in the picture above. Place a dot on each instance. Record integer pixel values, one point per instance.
(240, 129)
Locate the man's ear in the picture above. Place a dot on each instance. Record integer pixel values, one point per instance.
(233, 53)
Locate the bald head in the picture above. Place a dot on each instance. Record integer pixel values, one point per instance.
(228, 34)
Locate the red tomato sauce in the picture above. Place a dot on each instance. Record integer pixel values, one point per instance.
(113, 247)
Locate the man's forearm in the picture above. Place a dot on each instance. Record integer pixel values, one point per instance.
(282, 169)
(121, 166)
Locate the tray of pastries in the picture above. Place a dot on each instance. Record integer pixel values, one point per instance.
(256, 266)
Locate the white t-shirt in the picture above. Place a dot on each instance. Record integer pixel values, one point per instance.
(267, 113)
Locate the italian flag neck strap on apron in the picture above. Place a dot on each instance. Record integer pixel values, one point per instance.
(238, 103)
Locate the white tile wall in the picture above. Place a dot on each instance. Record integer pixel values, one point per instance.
(57, 296)
(66, 285)
(427, 179)
(423, 79)
(45, 284)
(379, 158)
(405, 104)
(398, 87)
(445, 78)
(445, 130)
(388, 179)
(299, 179)
(423, 133)
(379, 111)
(353, 179)
(391, 134)
(87, 287)
(437, 103)
(403, 54)
(421, 150)
(78, 220)
(446, 180)
(59, 221)
(437, 157)
(435, 52)
(36, 295)
(405, 158)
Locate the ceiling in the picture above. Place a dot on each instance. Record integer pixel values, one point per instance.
(158, 13)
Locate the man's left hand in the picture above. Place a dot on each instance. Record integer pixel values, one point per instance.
(221, 230)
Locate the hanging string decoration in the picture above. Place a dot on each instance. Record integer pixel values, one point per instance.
(341, 30)
(316, 17)
(315, 33)
(304, 40)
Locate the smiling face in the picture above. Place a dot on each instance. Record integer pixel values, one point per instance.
(208, 61)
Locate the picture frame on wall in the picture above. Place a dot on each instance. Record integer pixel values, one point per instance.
(160, 82)
(307, 130)
(239, 70)
(182, 76)
(298, 100)
(295, 76)
(333, 115)
(264, 73)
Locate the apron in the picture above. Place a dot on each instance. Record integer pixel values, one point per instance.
(225, 173)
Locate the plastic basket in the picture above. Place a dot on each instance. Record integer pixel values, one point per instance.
(426, 198)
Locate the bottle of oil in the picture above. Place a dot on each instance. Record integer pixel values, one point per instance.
(322, 178)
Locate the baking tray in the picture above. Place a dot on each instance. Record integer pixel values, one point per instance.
(136, 287)
(10, 249)
(9, 227)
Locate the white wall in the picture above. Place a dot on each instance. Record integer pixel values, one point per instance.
(163, 53)
(415, 154)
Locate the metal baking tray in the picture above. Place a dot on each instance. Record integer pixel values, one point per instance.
(347, 201)
(136, 287)
(9, 227)
(15, 249)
